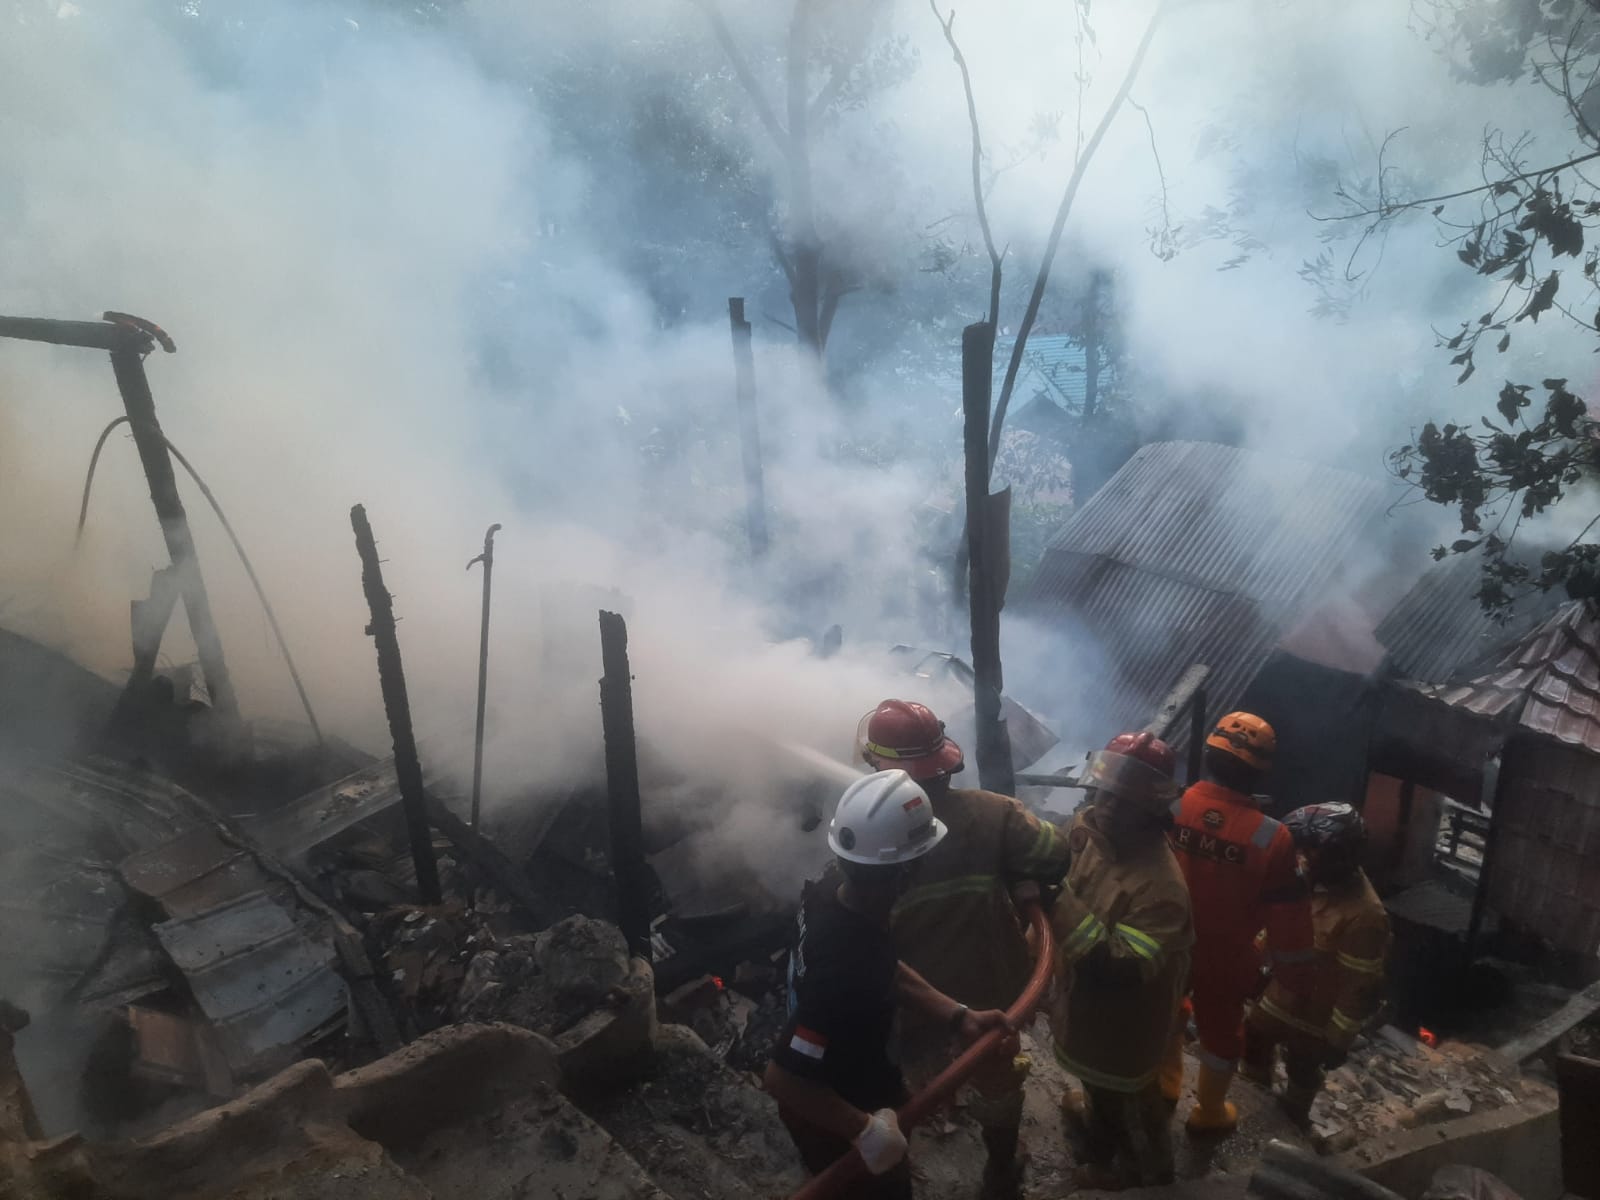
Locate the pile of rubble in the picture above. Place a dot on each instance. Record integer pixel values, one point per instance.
(1393, 1082)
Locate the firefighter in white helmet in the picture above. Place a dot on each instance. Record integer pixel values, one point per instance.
(834, 1072)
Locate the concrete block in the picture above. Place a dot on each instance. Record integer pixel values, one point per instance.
(445, 1077)
(1521, 1144)
(612, 1046)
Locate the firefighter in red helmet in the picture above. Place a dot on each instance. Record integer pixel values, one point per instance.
(958, 924)
(1243, 877)
(1123, 937)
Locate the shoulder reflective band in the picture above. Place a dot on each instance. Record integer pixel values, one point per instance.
(1265, 832)
(1367, 966)
(1140, 942)
(1082, 939)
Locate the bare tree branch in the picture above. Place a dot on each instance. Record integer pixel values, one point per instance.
(741, 68)
(838, 80)
(1031, 314)
(1162, 238)
(1387, 208)
(977, 163)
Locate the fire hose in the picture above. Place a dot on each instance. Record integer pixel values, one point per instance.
(944, 1086)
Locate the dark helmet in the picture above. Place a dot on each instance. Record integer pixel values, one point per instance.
(1332, 836)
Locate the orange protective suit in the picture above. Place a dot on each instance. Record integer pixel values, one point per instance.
(1243, 877)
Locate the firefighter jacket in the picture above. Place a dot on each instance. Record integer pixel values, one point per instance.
(1244, 876)
(1352, 942)
(1123, 940)
(956, 925)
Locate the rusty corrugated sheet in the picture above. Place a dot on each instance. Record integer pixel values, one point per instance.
(194, 872)
(1199, 553)
(262, 983)
(1553, 674)
(1439, 633)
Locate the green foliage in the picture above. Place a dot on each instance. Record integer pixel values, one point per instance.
(1535, 231)
(1511, 472)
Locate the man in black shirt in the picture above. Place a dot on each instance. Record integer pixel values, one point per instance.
(831, 1072)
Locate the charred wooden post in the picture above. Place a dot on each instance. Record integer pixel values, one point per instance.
(487, 559)
(744, 371)
(129, 339)
(397, 707)
(1496, 788)
(622, 786)
(1198, 732)
(152, 446)
(995, 772)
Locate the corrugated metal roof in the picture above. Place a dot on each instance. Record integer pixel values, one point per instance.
(195, 871)
(1052, 364)
(1556, 668)
(1438, 632)
(1200, 553)
(262, 983)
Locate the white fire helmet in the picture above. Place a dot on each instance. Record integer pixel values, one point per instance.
(884, 819)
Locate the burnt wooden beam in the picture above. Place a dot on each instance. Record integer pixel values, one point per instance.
(1198, 732)
(995, 769)
(1177, 702)
(493, 864)
(128, 366)
(622, 786)
(744, 372)
(86, 335)
(397, 707)
(128, 339)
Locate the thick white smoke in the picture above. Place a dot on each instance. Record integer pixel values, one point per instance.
(401, 271)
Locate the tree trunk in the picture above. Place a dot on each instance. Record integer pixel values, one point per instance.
(805, 247)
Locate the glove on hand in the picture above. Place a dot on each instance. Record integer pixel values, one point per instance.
(880, 1143)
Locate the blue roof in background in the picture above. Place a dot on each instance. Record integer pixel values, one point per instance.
(1051, 363)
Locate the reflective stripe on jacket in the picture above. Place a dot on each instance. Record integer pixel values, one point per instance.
(1123, 940)
(1243, 877)
(956, 926)
(1352, 944)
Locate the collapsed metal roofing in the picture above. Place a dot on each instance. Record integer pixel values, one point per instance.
(1439, 632)
(1053, 366)
(1200, 553)
(1555, 669)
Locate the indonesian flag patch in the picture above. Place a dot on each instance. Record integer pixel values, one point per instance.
(808, 1042)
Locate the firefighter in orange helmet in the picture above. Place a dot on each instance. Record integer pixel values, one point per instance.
(1123, 936)
(1243, 876)
(958, 925)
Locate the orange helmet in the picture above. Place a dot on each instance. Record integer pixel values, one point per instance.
(1247, 737)
(904, 735)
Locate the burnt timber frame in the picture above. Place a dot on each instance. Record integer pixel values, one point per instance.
(128, 340)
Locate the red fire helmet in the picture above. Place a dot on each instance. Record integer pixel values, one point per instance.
(905, 735)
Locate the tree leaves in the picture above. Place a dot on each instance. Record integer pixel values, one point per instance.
(1513, 399)
(1543, 297)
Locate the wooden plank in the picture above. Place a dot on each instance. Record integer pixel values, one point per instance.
(1574, 1012)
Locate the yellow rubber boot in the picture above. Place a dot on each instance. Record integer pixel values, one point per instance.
(1212, 1113)
(1170, 1075)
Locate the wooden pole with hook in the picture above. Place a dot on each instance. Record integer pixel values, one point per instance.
(487, 559)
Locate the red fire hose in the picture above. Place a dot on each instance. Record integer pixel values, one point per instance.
(945, 1085)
